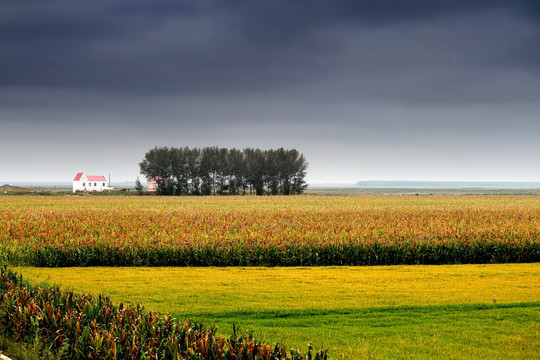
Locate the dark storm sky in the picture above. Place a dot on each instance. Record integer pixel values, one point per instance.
(389, 90)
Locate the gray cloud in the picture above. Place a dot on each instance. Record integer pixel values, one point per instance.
(173, 48)
(384, 80)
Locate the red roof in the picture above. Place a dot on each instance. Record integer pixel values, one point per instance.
(160, 179)
(78, 177)
(96, 178)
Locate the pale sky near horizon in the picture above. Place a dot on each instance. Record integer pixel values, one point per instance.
(366, 90)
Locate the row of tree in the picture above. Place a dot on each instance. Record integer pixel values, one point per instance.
(214, 170)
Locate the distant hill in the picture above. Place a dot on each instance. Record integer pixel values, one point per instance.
(8, 188)
(447, 184)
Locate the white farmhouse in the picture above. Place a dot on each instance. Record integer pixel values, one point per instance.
(84, 182)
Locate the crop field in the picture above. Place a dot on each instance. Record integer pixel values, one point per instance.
(455, 276)
(269, 231)
(448, 311)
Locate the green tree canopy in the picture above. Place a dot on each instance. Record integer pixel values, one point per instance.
(214, 170)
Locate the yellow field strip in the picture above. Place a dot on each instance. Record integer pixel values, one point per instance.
(256, 288)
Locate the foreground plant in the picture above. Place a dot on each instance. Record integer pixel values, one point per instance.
(80, 326)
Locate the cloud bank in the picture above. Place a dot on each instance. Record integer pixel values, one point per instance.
(416, 90)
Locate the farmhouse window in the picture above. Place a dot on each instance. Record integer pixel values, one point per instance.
(95, 184)
(83, 184)
(103, 184)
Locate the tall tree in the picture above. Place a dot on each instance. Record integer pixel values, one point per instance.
(299, 169)
(223, 170)
(255, 161)
(209, 169)
(285, 171)
(237, 181)
(194, 170)
(271, 171)
(180, 169)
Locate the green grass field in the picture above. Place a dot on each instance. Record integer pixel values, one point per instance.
(454, 312)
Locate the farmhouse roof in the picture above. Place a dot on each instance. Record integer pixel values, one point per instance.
(96, 178)
(90, 177)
